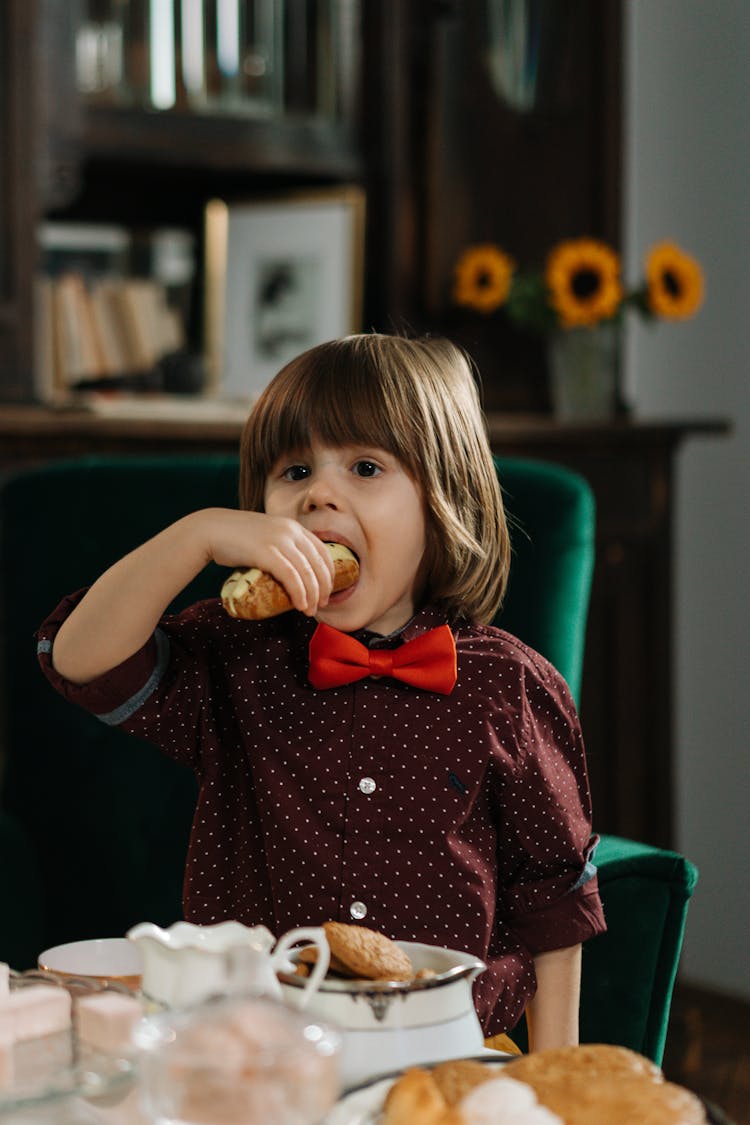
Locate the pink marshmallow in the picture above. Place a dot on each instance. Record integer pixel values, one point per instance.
(40, 1009)
(105, 1020)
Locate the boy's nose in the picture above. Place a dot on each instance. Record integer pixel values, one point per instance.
(320, 494)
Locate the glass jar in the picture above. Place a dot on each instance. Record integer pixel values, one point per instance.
(237, 1060)
(583, 368)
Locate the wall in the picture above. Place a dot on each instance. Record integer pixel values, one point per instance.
(687, 177)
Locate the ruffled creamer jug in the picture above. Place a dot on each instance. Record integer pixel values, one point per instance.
(186, 964)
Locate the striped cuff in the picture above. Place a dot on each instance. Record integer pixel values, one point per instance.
(136, 701)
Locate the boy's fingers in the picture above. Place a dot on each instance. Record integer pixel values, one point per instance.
(323, 566)
(310, 577)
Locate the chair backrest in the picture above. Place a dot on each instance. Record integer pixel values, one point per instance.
(108, 816)
(552, 520)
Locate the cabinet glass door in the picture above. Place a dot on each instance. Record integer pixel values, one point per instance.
(238, 58)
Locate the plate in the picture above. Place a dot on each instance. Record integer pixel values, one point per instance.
(59, 1066)
(364, 1104)
(361, 1107)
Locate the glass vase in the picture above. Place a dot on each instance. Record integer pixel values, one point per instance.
(583, 368)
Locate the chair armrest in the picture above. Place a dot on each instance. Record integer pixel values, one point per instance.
(629, 972)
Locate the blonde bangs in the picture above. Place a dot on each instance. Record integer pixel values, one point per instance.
(337, 394)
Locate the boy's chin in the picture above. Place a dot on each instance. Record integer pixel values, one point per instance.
(344, 621)
(349, 621)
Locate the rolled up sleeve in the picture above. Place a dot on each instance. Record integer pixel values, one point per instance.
(157, 693)
(549, 894)
(114, 696)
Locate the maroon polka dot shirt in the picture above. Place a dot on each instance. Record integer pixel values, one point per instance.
(461, 820)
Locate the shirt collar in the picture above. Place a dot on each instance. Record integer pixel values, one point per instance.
(428, 618)
(300, 629)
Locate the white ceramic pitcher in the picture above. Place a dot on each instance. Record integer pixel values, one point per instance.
(186, 964)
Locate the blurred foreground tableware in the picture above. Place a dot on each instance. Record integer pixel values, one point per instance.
(237, 1061)
(186, 963)
(48, 1063)
(104, 959)
(386, 1025)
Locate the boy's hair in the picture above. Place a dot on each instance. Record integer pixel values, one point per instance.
(417, 399)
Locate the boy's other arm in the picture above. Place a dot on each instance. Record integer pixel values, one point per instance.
(552, 1014)
(121, 610)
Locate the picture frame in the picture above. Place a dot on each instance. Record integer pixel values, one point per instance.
(282, 274)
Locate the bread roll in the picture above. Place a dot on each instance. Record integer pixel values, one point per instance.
(253, 595)
(594, 1084)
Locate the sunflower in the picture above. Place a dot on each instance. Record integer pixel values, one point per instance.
(482, 278)
(674, 282)
(583, 279)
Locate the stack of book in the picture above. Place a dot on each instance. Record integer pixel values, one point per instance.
(94, 321)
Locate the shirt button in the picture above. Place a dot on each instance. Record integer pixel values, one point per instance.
(367, 785)
(358, 910)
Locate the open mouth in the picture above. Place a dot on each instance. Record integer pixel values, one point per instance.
(338, 542)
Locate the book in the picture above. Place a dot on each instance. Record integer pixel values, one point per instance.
(114, 348)
(73, 332)
(47, 382)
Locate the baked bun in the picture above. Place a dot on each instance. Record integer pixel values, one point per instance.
(593, 1060)
(252, 595)
(594, 1084)
(414, 1100)
(600, 1082)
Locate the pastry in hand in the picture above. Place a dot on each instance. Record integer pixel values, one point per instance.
(253, 595)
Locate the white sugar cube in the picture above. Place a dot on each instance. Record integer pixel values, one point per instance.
(105, 1020)
(40, 1009)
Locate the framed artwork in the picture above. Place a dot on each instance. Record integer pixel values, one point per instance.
(282, 275)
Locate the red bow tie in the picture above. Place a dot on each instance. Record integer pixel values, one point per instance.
(429, 661)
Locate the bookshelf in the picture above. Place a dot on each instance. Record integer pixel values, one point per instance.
(394, 96)
(264, 100)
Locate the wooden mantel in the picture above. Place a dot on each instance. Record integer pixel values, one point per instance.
(28, 433)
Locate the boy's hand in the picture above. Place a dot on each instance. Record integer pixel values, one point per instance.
(122, 608)
(280, 546)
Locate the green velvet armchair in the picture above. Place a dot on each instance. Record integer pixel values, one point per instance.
(94, 824)
(629, 972)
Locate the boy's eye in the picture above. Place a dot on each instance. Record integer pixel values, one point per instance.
(296, 472)
(365, 468)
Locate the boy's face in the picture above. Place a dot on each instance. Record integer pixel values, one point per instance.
(362, 497)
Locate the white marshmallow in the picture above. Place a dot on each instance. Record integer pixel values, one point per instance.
(504, 1101)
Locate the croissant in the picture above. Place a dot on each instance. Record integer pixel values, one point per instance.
(253, 594)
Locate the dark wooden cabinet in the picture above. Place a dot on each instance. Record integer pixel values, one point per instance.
(69, 159)
(18, 141)
(445, 157)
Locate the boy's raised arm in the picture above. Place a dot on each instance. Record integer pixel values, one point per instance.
(121, 610)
